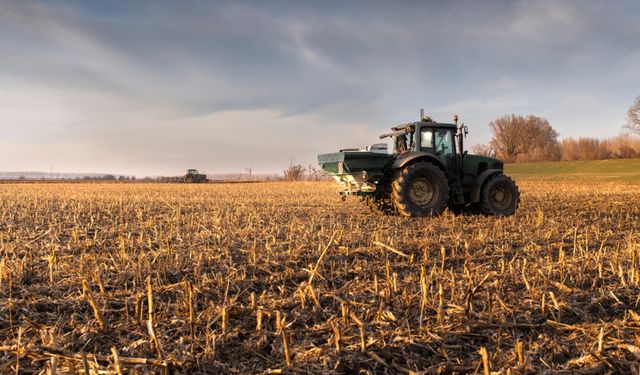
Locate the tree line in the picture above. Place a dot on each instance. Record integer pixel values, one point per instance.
(297, 172)
(517, 138)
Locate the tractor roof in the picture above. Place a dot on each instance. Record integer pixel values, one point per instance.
(412, 125)
(436, 124)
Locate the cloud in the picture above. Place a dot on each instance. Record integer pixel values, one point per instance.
(132, 79)
(539, 23)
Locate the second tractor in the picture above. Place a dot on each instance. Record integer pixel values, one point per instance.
(193, 176)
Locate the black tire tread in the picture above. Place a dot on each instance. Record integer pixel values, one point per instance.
(485, 206)
(399, 190)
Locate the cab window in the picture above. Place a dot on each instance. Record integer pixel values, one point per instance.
(444, 142)
(426, 140)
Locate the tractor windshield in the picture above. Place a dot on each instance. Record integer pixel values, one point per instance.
(444, 142)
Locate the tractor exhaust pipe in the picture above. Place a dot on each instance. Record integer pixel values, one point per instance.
(461, 134)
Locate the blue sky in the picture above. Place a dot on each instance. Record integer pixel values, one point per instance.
(155, 87)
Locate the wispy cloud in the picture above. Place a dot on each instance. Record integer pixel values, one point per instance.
(124, 77)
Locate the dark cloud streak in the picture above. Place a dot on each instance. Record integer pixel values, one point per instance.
(136, 70)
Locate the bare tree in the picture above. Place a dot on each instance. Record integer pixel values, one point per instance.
(519, 138)
(633, 117)
(484, 150)
(313, 173)
(295, 172)
(544, 142)
(508, 135)
(621, 147)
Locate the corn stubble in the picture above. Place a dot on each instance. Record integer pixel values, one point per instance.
(285, 278)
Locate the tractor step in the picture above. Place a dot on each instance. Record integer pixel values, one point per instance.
(456, 192)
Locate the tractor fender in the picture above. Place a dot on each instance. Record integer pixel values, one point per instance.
(412, 157)
(477, 185)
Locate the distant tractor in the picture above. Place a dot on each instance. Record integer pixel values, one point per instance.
(193, 177)
(427, 172)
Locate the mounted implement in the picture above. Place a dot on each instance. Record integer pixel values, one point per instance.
(427, 172)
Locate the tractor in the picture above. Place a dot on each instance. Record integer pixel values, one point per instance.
(194, 177)
(427, 172)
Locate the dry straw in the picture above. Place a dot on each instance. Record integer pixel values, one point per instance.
(286, 278)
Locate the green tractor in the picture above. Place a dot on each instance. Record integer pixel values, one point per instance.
(193, 177)
(427, 172)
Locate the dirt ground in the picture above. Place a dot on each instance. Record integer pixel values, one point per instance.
(285, 277)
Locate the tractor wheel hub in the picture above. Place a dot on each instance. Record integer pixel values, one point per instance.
(421, 192)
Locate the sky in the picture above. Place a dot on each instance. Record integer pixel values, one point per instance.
(155, 87)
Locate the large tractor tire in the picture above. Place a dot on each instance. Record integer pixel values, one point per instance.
(420, 189)
(500, 196)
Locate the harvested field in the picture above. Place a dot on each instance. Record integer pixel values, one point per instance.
(258, 278)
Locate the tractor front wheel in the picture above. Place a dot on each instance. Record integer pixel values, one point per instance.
(500, 196)
(420, 189)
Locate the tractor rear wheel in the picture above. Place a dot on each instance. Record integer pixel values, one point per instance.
(500, 196)
(420, 189)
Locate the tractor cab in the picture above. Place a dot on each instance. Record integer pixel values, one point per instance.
(439, 140)
(442, 140)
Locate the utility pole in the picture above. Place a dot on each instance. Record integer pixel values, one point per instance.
(249, 170)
